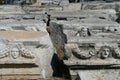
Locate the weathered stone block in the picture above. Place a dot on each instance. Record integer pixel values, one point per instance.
(25, 50)
(92, 44)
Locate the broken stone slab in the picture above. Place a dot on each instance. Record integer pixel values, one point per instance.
(108, 14)
(68, 28)
(7, 12)
(58, 38)
(72, 7)
(17, 9)
(32, 46)
(11, 9)
(93, 24)
(22, 16)
(87, 22)
(18, 74)
(102, 5)
(24, 2)
(30, 54)
(95, 61)
(41, 9)
(88, 52)
(99, 75)
(24, 25)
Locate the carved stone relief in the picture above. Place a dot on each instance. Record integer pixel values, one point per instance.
(84, 32)
(88, 52)
(15, 51)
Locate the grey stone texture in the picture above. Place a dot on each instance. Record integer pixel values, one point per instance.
(85, 35)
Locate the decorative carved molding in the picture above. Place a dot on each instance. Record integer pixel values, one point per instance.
(15, 51)
(26, 53)
(103, 53)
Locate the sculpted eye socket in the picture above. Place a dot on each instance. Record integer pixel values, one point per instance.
(107, 50)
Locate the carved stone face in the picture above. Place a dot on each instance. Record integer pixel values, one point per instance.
(84, 32)
(105, 53)
(15, 52)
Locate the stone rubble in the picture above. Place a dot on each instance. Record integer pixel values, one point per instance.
(70, 39)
